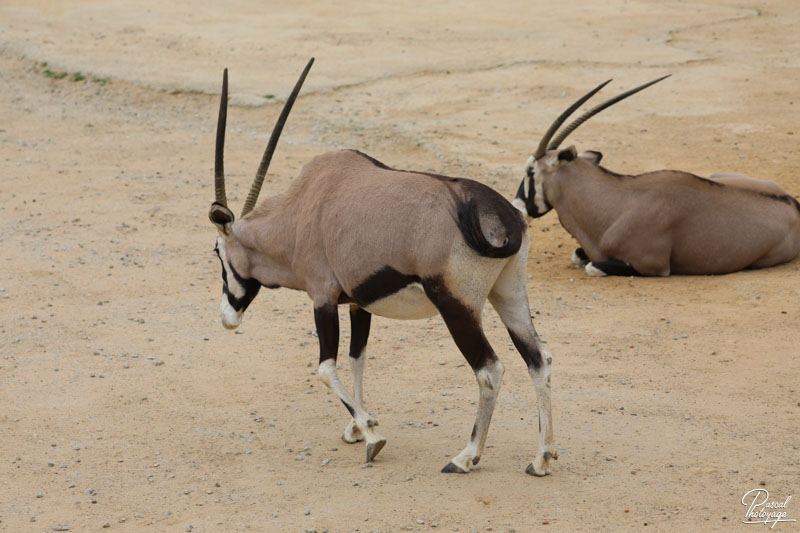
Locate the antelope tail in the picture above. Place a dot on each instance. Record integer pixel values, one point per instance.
(469, 222)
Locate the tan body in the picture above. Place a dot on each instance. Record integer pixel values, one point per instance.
(659, 223)
(344, 218)
(351, 230)
(671, 222)
(398, 244)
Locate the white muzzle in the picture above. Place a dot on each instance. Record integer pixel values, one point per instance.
(231, 318)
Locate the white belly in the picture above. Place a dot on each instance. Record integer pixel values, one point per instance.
(406, 304)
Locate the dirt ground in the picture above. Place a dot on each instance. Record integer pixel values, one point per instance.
(125, 406)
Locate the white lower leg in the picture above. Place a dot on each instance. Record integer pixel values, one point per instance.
(352, 433)
(541, 383)
(577, 260)
(361, 419)
(489, 380)
(594, 271)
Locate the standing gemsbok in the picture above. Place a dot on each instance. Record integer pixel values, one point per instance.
(396, 243)
(658, 223)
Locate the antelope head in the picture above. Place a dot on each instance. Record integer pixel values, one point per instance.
(531, 197)
(239, 287)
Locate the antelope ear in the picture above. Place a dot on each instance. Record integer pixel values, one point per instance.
(221, 217)
(567, 155)
(592, 156)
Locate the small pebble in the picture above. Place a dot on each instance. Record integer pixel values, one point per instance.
(307, 512)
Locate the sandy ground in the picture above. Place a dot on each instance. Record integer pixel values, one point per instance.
(125, 405)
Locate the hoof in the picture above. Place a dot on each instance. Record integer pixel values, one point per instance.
(594, 271)
(531, 471)
(453, 469)
(373, 449)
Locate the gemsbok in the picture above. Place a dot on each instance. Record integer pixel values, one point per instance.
(396, 243)
(658, 223)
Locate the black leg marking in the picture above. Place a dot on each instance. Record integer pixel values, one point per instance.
(530, 354)
(580, 254)
(251, 287)
(327, 321)
(462, 323)
(352, 412)
(615, 267)
(359, 322)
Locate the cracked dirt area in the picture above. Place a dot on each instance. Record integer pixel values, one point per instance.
(125, 406)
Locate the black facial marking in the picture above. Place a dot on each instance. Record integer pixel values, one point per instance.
(530, 353)
(521, 189)
(381, 284)
(615, 267)
(251, 287)
(326, 319)
(359, 322)
(530, 205)
(462, 323)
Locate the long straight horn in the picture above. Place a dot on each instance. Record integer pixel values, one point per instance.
(219, 171)
(273, 142)
(562, 117)
(595, 110)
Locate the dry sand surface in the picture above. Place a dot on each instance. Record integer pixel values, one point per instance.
(125, 405)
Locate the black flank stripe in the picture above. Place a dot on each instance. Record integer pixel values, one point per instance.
(381, 284)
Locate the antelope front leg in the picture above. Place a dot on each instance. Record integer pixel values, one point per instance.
(359, 324)
(327, 321)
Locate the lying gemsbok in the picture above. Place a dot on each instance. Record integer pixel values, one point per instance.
(659, 223)
(396, 243)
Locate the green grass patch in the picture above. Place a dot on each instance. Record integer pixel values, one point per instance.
(55, 75)
(74, 76)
